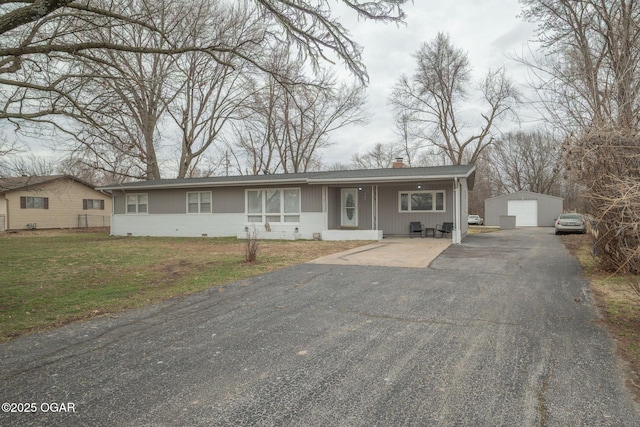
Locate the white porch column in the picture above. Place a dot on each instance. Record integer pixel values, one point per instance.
(456, 236)
(374, 207)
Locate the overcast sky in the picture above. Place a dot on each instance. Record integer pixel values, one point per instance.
(488, 30)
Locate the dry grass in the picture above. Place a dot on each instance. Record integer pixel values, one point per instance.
(50, 278)
(478, 229)
(618, 302)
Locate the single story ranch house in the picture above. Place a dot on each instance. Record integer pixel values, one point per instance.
(334, 205)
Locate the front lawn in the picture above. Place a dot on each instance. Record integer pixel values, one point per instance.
(52, 278)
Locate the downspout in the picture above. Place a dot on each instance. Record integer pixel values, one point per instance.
(457, 234)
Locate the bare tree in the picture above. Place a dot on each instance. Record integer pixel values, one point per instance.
(39, 35)
(433, 96)
(212, 93)
(310, 114)
(380, 156)
(290, 122)
(526, 161)
(592, 89)
(7, 152)
(52, 50)
(126, 96)
(30, 164)
(589, 74)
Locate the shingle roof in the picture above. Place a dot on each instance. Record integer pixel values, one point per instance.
(24, 182)
(16, 183)
(328, 177)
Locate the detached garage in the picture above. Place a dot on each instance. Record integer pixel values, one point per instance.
(529, 209)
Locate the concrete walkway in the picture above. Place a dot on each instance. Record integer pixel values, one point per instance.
(391, 252)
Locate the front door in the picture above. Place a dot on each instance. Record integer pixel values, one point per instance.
(349, 217)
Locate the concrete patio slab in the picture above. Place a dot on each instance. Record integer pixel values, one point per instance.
(391, 252)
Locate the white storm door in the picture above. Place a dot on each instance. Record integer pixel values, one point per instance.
(349, 207)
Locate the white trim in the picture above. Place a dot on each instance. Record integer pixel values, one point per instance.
(456, 235)
(264, 214)
(330, 235)
(126, 203)
(433, 201)
(199, 202)
(343, 208)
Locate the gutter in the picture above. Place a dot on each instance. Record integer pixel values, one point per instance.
(205, 184)
(310, 181)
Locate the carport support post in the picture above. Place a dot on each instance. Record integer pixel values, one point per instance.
(456, 234)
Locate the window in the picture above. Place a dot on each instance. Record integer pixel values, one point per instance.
(34, 202)
(421, 201)
(199, 202)
(92, 204)
(273, 205)
(136, 203)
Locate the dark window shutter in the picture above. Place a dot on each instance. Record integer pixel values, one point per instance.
(101, 205)
(84, 204)
(23, 202)
(46, 202)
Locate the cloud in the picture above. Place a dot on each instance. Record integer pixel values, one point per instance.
(488, 30)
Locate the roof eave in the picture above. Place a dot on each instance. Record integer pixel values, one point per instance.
(292, 181)
(205, 184)
(385, 179)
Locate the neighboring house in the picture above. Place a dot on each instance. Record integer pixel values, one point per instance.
(57, 201)
(337, 205)
(529, 209)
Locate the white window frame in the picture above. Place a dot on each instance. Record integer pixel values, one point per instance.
(200, 193)
(137, 195)
(433, 194)
(266, 216)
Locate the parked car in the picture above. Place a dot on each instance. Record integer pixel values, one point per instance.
(475, 220)
(571, 223)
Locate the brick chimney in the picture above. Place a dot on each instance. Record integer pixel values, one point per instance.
(399, 163)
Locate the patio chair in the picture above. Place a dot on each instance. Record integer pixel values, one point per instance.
(415, 227)
(445, 228)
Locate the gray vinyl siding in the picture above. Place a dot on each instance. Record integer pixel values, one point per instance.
(168, 201)
(365, 197)
(549, 207)
(394, 223)
(333, 195)
(224, 199)
(310, 198)
(119, 202)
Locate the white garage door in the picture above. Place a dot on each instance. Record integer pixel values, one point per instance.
(525, 211)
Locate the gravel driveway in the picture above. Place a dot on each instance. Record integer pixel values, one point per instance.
(498, 331)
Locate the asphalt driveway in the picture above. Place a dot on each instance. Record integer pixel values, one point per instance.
(498, 331)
